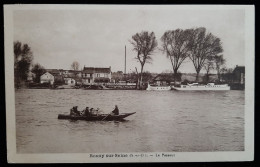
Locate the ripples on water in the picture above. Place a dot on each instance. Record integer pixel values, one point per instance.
(165, 121)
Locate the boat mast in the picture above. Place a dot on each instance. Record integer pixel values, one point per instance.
(125, 63)
(125, 59)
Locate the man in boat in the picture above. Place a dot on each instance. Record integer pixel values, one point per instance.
(98, 111)
(74, 111)
(115, 111)
(91, 111)
(87, 113)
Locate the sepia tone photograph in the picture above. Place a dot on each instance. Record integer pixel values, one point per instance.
(138, 83)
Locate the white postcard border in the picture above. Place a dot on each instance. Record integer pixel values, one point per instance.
(247, 155)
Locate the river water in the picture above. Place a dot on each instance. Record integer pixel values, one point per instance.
(165, 121)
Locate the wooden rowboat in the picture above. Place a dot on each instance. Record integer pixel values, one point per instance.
(100, 117)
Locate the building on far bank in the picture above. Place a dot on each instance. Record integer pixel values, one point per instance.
(239, 74)
(71, 77)
(54, 71)
(52, 76)
(91, 75)
(47, 78)
(71, 73)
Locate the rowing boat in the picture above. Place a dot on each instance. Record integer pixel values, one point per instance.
(96, 117)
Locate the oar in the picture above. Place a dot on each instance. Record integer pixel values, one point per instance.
(105, 117)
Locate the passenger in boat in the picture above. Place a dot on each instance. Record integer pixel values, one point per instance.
(97, 111)
(74, 111)
(87, 113)
(91, 111)
(116, 110)
(71, 111)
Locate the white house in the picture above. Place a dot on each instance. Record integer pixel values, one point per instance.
(92, 75)
(47, 78)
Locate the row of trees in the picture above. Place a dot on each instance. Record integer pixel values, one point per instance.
(200, 46)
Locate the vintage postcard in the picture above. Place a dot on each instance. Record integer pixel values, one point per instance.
(129, 83)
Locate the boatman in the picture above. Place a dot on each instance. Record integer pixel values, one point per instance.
(116, 110)
(87, 111)
(91, 111)
(74, 111)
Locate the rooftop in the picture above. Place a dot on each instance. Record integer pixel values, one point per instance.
(239, 68)
(91, 70)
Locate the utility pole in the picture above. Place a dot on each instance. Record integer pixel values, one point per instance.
(125, 59)
(125, 63)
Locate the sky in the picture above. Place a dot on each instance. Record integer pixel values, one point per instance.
(97, 37)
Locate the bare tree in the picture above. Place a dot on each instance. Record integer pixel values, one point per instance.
(144, 44)
(219, 62)
(203, 46)
(176, 45)
(75, 65)
(209, 65)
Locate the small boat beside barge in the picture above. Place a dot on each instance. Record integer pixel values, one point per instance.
(96, 117)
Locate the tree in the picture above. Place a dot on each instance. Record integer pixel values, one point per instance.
(132, 77)
(147, 76)
(38, 70)
(144, 44)
(219, 62)
(22, 60)
(168, 77)
(203, 46)
(176, 45)
(117, 76)
(209, 65)
(227, 74)
(75, 65)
